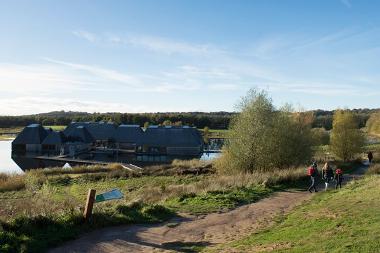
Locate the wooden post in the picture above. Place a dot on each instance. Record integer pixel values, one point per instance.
(89, 204)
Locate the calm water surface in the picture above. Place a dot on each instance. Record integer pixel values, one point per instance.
(7, 165)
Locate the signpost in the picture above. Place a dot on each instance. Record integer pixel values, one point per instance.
(89, 204)
(91, 199)
(114, 194)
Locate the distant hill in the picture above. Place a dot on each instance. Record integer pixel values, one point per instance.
(60, 114)
(213, 120)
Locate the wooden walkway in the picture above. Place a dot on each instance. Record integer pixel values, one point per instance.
(64, 159)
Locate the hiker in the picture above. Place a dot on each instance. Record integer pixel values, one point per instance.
(312, 171)
(327, 174)
(370, 157)
(338, 178)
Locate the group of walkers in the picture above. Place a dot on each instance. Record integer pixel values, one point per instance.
(328, 176)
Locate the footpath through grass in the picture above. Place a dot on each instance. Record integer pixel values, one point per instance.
(43, 208)
(336, 221)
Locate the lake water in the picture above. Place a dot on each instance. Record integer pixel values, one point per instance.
(209, 156)
(7, 165)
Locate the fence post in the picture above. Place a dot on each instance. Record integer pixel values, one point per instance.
(89, 204)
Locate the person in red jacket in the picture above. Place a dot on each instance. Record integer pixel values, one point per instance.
(338, 178)
(312, 171)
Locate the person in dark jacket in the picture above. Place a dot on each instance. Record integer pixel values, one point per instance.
(338, 178)
(313, 173)
(370, 157)
(327, 174)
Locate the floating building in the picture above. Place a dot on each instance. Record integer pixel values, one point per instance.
(154, 144)
(30, 139)
(53, 143)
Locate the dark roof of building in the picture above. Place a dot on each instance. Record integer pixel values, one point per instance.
(98, 130)
(159, 136)
(129, 134)
(172, 137)
(32, 134)
(54, 138)
(85, 131)
(79, 134)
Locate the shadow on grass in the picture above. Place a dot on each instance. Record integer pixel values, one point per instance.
(188, 247)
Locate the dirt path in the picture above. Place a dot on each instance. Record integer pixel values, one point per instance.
(180, 234)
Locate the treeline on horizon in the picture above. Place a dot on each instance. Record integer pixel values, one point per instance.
(212, 120)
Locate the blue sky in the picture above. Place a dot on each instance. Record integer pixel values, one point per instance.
(198, 55)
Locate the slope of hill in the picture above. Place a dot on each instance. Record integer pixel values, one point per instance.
(336, 221)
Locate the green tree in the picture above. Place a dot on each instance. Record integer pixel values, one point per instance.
(206, 134)
(167, 123)
(373, 124)
(320, 136)
(263, 138)
(178, 123)
(346, 138)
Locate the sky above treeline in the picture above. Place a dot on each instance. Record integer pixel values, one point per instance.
(187, 55)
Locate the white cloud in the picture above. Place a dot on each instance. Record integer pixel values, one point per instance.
(107, 74)
(86, 35)
(38, 104)
(283, 65)
(152, 43)
(164, 45)
(40, 78)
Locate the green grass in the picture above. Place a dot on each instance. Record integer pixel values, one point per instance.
(372, 147)
(6, 137)
(57, 128)
(6, 130)
(217, 200)
(337, 221)
(46, 210)
(51, 214)
(216, 133)
(37, 234)
(10, 133)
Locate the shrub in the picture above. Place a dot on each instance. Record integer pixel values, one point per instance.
(60, 180)
(11, 182)
(320, 136)
(346, 139)
(157, 212)
(373, 124)
(263, 138)
(37, 233)
(373, 169)
(34, 179)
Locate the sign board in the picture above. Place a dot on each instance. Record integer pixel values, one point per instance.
(114, 194)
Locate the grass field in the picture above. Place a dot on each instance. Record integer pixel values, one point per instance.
(336, 221)
(4, 132)
(43, 202)
(10, 133)
(216, 133)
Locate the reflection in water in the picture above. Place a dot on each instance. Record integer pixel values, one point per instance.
(209, 156)
(13, 163)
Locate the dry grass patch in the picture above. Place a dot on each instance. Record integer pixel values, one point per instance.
(11, 182)
(217, 182)
(373, 169)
